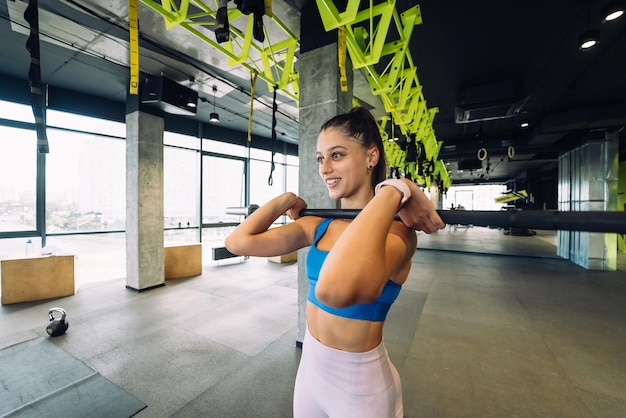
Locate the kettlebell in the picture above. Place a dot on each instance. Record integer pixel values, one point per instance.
(57, 326)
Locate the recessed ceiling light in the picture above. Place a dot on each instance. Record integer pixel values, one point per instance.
(613, 10)
(589, 39)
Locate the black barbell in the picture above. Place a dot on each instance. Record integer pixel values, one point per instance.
(596, 221)
(593, 221)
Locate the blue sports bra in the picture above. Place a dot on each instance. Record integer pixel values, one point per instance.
(374, 311)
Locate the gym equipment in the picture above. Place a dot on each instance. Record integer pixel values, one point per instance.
(594, 221)
(57, 326)
(221, 253)
(222, 27)
(245, 210)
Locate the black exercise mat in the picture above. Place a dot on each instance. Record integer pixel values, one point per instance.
(39, 379)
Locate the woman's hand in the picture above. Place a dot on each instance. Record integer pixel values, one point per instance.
(418, 212)
(298, 206)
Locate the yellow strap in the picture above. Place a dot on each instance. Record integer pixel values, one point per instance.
(253, 75)
(341, 47)
(133, 22)
(268, 8)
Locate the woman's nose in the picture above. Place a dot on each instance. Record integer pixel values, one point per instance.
(325, 166)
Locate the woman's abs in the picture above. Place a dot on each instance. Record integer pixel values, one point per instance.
(353, 335)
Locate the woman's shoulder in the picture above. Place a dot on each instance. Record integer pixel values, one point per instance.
(309, 226)
(408, 234)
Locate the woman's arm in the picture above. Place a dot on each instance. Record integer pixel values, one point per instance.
(254, 238)
(372, 250)
(419, 213)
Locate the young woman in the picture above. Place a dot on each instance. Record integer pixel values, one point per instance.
(355, 270)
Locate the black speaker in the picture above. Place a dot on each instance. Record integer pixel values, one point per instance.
(170, 96)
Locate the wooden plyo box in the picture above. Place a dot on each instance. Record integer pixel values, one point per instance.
(183, 261)
(37, 278)
(285, 258)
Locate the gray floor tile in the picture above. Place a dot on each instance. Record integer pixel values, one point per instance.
(475, 332)
(263, 387)
(168, 368)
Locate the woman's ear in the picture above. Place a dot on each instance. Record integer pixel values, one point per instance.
(373, 154)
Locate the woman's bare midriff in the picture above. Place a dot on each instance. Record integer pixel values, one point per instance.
(353, 335)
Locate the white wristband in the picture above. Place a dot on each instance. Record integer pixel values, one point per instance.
(399, 185)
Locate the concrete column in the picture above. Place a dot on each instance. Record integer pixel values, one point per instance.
(321, 98)
(588, 182)
(144, 201)
(435, 196)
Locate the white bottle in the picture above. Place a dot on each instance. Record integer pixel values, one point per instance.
(29, 248)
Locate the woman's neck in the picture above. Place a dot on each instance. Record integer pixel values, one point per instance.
(358, 201)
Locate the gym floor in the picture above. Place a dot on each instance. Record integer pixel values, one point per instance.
(476, 332)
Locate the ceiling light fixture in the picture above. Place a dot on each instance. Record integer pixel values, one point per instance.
(192, 100)
(589, 39)
(214, 117)
(524, 124)
(613, 10)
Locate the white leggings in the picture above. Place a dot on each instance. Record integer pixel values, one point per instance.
(340, 384)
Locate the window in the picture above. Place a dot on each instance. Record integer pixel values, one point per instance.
(180, 193)
(474, 197)
(260, 191)
(223, 186)
(19, 247)
(76, 122)
(16, 111)
(18, 179)
(261, 154)
(181, 140)
(292, 179)
(85, 183)
(84, 176)
(224, 148)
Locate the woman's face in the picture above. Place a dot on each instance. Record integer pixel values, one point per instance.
(343, 164)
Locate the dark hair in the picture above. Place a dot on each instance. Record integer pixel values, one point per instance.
(359, 124)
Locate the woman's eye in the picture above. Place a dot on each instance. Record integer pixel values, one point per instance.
(336, 155)
(320, 160)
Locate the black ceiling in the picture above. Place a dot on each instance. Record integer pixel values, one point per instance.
(500, 62)
(523, 54)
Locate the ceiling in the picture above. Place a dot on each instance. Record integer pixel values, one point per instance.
(500, 62)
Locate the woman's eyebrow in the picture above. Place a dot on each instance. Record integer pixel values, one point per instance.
(333, 148)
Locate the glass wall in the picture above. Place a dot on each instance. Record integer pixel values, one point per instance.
(85, 183)
(292, 174)
(18, 179)
(261, 191)
(223, 186)
(16, 112)
(181, 180)
(81, 183)
(474, 197)
(76, 122)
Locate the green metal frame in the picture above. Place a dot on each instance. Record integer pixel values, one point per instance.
(277, 59)
(368, 34)
(367, 40)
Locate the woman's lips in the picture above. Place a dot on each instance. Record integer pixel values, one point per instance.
(331, 183)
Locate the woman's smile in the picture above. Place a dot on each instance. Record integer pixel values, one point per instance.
(332, 182)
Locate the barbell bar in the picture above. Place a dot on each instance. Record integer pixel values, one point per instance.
(594, 221)
(241, 210)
